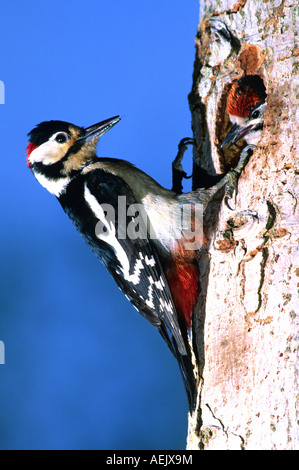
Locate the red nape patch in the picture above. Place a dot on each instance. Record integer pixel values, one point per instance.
(183, 281)
(240, 102)
(29, 149)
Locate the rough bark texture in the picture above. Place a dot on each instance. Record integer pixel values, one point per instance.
(247, 326)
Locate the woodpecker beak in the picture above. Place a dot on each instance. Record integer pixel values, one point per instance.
(236, 133)
(95, 131)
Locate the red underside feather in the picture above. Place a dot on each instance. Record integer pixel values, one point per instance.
(183, 281)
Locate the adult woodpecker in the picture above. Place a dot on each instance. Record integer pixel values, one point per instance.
(246, 108)
(138, 229)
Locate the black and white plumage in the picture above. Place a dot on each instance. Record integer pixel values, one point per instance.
(132, 263)
(134, 226)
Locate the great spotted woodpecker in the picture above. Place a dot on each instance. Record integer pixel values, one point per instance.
(246, 107)
(147, 236)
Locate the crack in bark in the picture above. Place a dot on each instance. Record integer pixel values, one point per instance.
(265, 254)
(242, 445)
(218, 419)
(225, 430)
(265, 251)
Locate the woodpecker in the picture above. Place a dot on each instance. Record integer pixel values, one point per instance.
(148, 237)
(246, 108)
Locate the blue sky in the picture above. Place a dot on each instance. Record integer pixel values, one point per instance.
(83, 370)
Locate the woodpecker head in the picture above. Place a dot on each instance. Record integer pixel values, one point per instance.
(246, 108)
(57, 150)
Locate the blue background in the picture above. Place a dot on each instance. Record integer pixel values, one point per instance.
(83, 370)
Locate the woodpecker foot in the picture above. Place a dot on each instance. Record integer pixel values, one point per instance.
(178, 174)
(231, 187)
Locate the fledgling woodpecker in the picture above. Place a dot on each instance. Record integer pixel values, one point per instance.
(138, 229)
(246, 107)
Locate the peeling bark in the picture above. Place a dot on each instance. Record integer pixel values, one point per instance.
(246, 331)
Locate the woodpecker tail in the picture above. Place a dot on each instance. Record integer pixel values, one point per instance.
(186, 367)
(188, 374)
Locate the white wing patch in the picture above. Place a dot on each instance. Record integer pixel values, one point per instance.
(109, 236)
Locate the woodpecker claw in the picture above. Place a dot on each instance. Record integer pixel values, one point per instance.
(231, 187)
(226, 199)
(186, 141)
(178, 174)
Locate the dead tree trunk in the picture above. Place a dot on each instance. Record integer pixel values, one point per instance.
(246, 331)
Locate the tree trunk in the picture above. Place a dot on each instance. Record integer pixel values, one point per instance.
(246, 331)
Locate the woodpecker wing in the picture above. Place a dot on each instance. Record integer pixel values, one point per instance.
(117, 233)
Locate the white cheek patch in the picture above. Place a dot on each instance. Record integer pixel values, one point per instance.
(47, 153)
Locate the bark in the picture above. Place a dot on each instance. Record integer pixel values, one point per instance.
(246, 331)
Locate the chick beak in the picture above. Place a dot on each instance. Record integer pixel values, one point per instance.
(236, 133)
(97, 130)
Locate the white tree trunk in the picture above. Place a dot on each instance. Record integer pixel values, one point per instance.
(247, 327)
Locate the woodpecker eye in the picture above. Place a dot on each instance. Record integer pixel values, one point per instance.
(255, 114)
(61, 138)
